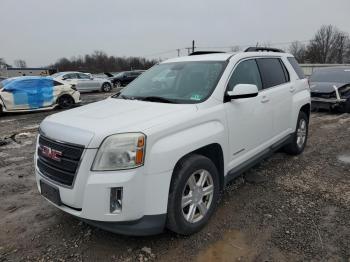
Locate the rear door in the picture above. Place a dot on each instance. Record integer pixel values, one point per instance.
(278, 89)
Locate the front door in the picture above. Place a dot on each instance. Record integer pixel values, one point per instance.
(249, 119)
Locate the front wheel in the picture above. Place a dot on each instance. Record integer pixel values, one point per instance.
(106, 87)
(65, 102)
(193, 196)
(300, 135)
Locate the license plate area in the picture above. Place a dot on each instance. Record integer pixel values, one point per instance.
(51, 193)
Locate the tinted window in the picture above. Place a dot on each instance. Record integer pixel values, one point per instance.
(83, 76)
(55, 83)
(272, 72)
(246, 72)
(296, 67)
(339, 75)
(70, 76)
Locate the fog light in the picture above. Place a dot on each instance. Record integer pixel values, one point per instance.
(116, 198)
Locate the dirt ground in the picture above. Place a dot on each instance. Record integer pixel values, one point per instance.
(285, 209)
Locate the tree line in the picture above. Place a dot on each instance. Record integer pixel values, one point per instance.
(328, 46)
(99, 62)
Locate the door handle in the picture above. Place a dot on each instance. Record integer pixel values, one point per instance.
(292, 89)
(265, 99)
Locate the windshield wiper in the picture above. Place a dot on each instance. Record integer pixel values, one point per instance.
(156, 99)
(119, 95)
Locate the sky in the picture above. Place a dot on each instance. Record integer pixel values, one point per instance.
(42, 31)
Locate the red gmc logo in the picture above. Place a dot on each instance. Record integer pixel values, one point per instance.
(51, 153)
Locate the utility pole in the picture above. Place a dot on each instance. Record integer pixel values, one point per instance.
(178, 52)
(188, 50)
(192, 46)
(340, 56)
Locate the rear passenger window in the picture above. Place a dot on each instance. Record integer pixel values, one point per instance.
(296, 67)
(272, 72)
(246, 72)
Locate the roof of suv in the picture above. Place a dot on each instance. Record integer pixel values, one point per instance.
(223, 56)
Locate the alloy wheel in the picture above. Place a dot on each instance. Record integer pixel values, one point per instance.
(197, 196)
(301, 133)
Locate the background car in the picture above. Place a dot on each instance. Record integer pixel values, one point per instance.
(84, 82)
(124, 78)
(30, 93)
(330, 88)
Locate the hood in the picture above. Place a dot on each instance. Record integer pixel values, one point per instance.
(89, 125)
(324, 87)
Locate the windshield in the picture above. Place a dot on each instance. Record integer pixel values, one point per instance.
(331, 75)
(182, 82)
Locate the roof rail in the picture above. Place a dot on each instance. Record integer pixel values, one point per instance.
(205, 52)
(262, 49)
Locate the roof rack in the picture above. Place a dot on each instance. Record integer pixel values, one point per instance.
(205, 52)
(262, 49)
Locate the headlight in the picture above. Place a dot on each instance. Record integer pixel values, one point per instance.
(120, 151)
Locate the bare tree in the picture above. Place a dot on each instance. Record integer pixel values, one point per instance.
(99, 62)
(298, 50)
(20, 63)
(235, 48)
(329, 45)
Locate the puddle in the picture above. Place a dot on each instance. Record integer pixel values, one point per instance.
(233, 247)
(344, 158)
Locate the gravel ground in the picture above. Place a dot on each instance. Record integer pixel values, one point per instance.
(285, 209)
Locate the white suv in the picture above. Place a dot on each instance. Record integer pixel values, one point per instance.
(159, 153)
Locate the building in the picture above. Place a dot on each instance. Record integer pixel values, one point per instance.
(13, 71)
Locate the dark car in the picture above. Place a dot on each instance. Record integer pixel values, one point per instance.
(124, 78)
(330, 88)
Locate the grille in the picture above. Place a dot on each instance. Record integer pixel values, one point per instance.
(62, 169)
(323, 95)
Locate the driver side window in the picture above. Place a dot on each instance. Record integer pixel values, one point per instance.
(246, 72)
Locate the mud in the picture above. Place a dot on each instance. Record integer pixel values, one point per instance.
(297, 211)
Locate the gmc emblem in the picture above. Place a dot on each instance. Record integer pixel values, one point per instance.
(50, 153)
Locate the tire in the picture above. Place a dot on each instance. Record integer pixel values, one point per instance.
(65, 102)
(180, 219)
(300, 135)
(1, 111)
(106, 87)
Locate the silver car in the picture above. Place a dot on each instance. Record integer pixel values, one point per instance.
(84, 82)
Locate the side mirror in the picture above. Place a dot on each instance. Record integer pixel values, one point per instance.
(242, 91)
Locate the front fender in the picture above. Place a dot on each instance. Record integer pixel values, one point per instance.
(169, 149)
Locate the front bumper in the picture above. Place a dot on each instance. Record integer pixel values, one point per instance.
(144, 202)
(328, 103)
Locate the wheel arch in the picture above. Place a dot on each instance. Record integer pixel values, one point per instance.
(306, 109)
(62, 95)
(212, 151)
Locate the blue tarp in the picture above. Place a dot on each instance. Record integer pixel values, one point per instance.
(31, 91)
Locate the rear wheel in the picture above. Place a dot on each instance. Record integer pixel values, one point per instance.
(299, 137)
(193, 196)
(65, 102)
(106, 87)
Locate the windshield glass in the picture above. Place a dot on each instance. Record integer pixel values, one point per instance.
(331, 75)
(182, 82)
